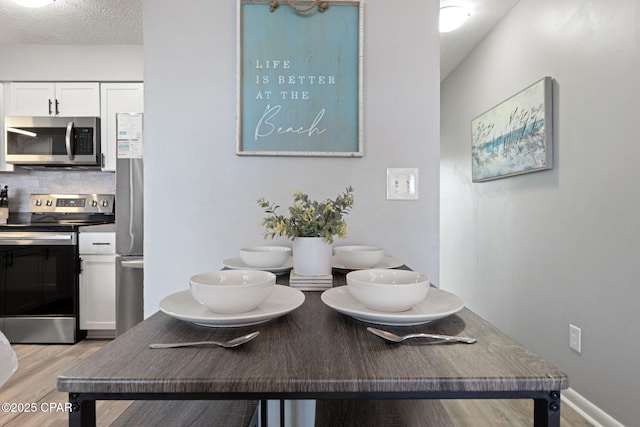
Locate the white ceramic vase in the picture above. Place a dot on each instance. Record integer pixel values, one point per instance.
(312, 256)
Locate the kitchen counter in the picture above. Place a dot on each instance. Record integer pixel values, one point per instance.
(99, 228)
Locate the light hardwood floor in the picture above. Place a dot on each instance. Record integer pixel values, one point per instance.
(39, 365)
(34, 383)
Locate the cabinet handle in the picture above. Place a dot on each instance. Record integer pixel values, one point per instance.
(101, 243)
(57, 107)
(50, 106)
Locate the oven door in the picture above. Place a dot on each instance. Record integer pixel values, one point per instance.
(39, 286)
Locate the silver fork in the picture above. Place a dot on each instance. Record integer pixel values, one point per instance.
(390, 336)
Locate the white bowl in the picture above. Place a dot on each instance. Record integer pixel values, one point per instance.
(388, 290)
(232, 291)
(265, 256)
(359, 256)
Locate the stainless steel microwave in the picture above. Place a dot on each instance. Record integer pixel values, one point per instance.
(53, 141)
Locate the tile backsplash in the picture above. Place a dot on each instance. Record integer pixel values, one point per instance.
(24, 183)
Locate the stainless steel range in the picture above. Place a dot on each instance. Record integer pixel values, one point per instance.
(40, 266)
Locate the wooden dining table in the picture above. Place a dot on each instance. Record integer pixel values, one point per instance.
(313, 352)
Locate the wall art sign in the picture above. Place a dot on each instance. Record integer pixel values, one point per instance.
(299, 79)
(516, 136)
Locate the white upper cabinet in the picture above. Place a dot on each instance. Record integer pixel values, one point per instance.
(31, 99)
(116, 98)
(78, 99)
(54, 99)
(4, 167)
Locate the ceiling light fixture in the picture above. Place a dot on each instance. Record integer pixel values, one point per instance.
(452, 17)
(33, 3)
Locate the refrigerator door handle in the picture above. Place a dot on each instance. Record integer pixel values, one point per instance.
(133, 263)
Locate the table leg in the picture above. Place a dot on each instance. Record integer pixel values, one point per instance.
(264, 419)
(83, 412)
(281, 413)
(546, 411)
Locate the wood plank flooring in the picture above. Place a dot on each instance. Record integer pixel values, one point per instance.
(35, 379)
(39, 365)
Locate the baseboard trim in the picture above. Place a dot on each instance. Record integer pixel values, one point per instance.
(588, 410)
(101, 334)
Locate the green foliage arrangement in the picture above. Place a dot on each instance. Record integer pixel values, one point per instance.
(309, 218)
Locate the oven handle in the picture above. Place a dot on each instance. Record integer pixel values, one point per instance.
(37, 239)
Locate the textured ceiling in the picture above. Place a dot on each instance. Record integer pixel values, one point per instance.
(69, 22)
(105, 22)
(484, 15)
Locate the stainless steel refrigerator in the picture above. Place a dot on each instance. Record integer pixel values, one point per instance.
(129, 222)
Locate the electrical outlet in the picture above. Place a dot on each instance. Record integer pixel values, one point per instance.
(402, 183)
(575, 338)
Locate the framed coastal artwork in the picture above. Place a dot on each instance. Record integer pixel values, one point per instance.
(516, 136)
(299, 84)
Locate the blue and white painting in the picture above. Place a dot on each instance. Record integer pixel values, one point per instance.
(300, 80)
(514, 137)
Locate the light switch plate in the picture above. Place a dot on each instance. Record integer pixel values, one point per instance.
(402, 184)
(575, 338)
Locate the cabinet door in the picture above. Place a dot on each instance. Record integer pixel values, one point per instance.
(21, 280)
(4, 167)
(31, 99)
(97, 243)
(78, 99)
(116, 98)
(55, 99)
(98, 292)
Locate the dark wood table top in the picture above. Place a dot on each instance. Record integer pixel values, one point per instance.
(312, 352)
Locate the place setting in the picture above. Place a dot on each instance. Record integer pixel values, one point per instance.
(360, 257)
(274, 259)
(391, 297)
(232, 298)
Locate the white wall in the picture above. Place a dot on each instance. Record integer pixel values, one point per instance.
(536, 252)
(71, 63)
(200, 197)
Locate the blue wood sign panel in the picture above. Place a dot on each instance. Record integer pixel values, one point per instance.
(299, 83)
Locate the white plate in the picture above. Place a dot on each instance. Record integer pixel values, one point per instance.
(436, 305)
(182, 306)
(387, 262)
(238, 264)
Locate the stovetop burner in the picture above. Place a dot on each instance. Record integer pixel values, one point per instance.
(71, 219)
(71, 209)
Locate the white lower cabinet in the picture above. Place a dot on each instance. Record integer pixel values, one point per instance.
(97, 281)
